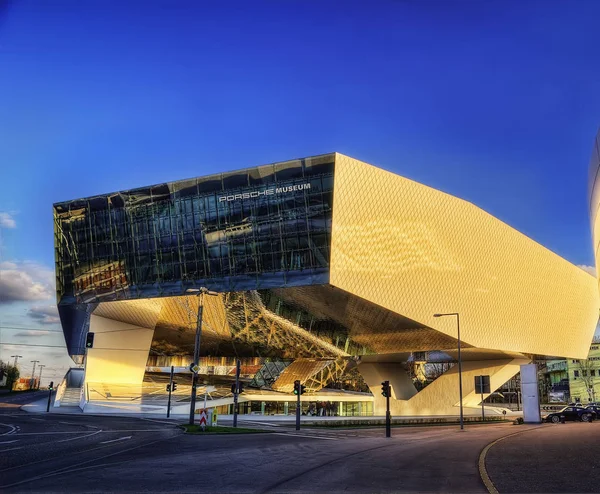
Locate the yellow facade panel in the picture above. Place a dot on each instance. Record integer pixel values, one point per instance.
(417, 251)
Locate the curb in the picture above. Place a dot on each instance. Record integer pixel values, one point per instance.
(485, 478)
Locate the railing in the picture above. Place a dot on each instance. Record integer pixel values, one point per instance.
(60, 391)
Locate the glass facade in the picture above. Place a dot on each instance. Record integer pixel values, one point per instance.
(257, 228)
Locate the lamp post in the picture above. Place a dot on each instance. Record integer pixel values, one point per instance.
(460, 391)
(17, 357)
(200, 292)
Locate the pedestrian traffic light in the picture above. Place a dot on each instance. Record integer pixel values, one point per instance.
(240, 388)
(299, 389)
(89, 340)
(174, 386)
(385, 389)
(51, 386)
(168, 388)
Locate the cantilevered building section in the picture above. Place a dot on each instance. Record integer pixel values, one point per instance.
(327, 265)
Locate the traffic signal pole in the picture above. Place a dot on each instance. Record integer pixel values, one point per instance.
(388, 416)
(297, 383)
(170, 391)
(236, 392)
(50, 388)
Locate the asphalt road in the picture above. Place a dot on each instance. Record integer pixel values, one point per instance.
(554, 458)
(83, 453)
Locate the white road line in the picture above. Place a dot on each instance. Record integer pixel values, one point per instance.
(79, 437)
(38, 420)
(70, 423)
(12, 429)
(114, 440)
(8, 442)
(303, 435)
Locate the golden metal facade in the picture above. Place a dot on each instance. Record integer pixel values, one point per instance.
(417, 251)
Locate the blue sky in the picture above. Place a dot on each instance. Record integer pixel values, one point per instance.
(496, 102)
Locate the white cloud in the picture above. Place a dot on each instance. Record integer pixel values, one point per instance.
(589, 269)
(6, 220)
(45, 314)
(25, 281)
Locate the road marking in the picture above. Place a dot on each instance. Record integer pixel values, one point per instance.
(70, 423)
(115, 440)
(304, 435)
(38, 420)
(12, 429)
(160, 421)
(8, 442)
(73, 468)
(485, 478)
(80, 437)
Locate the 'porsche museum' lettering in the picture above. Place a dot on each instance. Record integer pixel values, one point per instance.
(267, 192)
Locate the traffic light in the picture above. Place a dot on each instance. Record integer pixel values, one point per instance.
(240, 388)
(385, 389)
(51, 386)
(168, 388)
(89, 340)
(299, 389)
(174, 387)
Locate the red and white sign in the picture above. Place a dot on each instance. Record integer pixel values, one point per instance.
(203, 416)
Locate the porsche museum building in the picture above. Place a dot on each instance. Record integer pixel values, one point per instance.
(327, 270)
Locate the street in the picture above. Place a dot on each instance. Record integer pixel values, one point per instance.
(83, 453)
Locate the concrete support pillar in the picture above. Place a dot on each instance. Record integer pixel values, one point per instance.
(530, 394)
(262, 407)
(286, 407)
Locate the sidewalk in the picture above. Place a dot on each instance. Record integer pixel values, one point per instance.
(121, 409)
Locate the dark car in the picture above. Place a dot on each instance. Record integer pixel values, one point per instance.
(594, 408)
(572, 413)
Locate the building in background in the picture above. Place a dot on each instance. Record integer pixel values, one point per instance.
(584, 375)
(328, 270)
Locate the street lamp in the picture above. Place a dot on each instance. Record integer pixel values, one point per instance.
(17, 357)
(462, 424)
(200, 292)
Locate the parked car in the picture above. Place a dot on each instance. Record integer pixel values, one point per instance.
(572, 413)
(594, 408)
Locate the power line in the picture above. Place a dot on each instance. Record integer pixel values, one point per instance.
(16, 328)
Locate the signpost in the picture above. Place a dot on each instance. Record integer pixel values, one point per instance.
(203, 418)
(482, 385)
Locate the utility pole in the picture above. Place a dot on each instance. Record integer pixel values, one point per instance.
(170, 391)
(17, 357)
(32, 373)
(40, 378)
(236, 392)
